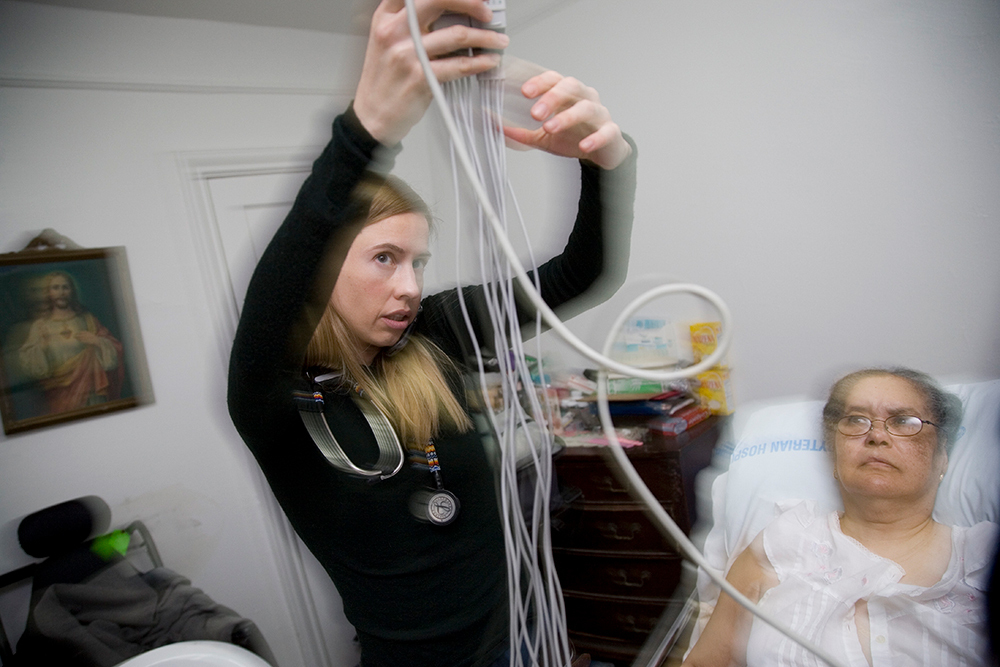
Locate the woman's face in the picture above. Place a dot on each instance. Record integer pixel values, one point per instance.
(378, 290)
(879, 464)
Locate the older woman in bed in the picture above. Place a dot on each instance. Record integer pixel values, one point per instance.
(880, 583)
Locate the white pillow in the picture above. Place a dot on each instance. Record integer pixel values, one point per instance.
(780, 456)
(970, 492)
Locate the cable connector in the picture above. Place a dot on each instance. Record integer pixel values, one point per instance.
(499, 21)
(497, 24)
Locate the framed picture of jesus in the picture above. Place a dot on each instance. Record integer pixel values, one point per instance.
(70, 337)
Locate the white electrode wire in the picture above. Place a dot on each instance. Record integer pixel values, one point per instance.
(522, 548)
(656, 509)
(550, 317)
(549, 607)
(512, 536)
(546, 471)
(548, 644)
(550, 616)
(544, 468)
(548, 411)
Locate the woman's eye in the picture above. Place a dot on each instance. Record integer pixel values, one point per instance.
(419, 264)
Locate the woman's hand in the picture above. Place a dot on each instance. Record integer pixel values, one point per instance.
(393, 94)
(576, 124)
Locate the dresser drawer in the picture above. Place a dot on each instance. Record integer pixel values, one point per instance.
(628, 620)
(598, 484)
(610, 527)
(617, 652)
(620, 575)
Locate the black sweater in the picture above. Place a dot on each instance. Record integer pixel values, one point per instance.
(417, 594)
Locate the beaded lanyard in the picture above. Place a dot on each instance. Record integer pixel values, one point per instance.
(438, 506)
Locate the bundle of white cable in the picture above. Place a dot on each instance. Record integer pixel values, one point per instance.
(528, 546)
(537, 618)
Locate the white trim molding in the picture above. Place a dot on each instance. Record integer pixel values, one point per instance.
(83, 83)
(197, 169)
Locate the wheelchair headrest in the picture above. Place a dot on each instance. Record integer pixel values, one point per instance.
(59, 528)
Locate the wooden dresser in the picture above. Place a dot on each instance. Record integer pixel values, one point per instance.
(617, 572)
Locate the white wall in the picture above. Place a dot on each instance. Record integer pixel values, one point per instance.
(830, 168)
(95, 109)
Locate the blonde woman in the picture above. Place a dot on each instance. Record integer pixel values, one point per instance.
(335, 314)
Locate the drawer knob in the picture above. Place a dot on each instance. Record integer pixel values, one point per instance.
(611, 485)
(612, 531)
(629, 623)
(621, 578)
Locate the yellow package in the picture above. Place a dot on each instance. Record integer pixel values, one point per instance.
(704, 338)
(714, 392)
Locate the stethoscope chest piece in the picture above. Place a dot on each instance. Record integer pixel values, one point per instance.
(437, 506)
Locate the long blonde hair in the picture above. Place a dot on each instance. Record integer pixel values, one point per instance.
(410, 386)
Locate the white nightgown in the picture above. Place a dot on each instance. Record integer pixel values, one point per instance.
(822, 573)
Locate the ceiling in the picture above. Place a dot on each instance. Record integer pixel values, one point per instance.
(336, 16)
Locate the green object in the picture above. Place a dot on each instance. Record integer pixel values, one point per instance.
(636, 386)
(106, 546)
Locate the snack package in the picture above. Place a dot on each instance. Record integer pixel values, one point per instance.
(713, 390)
(704, 338)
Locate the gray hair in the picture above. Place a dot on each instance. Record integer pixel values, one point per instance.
(945, 408)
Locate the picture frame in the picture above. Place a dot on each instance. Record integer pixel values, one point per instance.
(69, 331)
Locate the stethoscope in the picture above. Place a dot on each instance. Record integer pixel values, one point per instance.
(438, 506)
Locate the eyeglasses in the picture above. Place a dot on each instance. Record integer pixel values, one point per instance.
(900, 425)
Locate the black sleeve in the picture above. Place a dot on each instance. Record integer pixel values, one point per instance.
(293, 280)
(591, 267)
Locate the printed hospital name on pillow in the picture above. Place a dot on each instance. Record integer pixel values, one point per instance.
(779, 447)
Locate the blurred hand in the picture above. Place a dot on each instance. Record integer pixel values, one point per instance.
(576, 124)
(393, 94)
